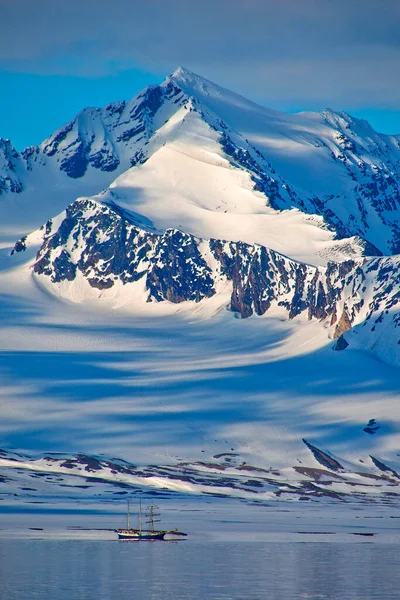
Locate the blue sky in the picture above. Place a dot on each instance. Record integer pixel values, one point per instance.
(57, 57)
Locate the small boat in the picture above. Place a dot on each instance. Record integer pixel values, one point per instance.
(151, 516)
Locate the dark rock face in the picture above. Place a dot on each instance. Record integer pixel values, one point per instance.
(110, 248)
(372, 427)
(54, 143)
(104, 159)
(178, 271)
(259, 276)
(20, 246)
(9, 160)
(77, 149)
(75, 164)
(323, 458)
(32, 156)
(384, 468)
(141, 115)
(64, 268)
(107, 245)
(341, 344)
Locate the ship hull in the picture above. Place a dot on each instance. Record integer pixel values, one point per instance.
(141, 535)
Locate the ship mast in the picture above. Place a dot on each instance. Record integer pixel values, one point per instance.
(152, 516)
(140, 515)
(128, 524)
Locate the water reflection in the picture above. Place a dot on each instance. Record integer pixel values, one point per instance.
(101, 570)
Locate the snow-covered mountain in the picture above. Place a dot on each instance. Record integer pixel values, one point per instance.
(205, 149)
(192, 203)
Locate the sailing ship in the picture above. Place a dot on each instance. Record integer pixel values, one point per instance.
(140, 533)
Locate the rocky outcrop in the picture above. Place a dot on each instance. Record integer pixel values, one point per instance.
(178, 271)
(341, 344)
(323, 458)
(9, 166)
(104, 245)
(343, 325)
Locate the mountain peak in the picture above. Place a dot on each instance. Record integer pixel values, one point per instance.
(192, 83)
(184, 75)
(182, 72)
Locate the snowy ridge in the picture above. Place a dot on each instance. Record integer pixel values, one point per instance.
(104, 138)
(80, 158)
(104, 247)
(326, 163)
(321, 478)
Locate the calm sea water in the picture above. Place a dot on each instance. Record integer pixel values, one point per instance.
(189, 570)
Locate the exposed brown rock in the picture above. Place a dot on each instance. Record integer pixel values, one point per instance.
(317, 474)
(343, 325)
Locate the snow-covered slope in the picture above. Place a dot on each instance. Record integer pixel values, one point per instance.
(196, 405)
(198, 179)
(325, 163)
